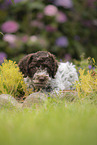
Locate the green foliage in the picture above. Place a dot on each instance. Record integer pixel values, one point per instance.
(80, 28)
(11, 79)
(1, 33)
(12, 1)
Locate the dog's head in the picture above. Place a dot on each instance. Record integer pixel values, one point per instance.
(41, 78)
(40, 67)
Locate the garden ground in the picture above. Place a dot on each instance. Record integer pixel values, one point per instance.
(56, 122)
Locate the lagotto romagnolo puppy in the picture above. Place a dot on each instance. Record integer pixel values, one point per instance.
(42, 72)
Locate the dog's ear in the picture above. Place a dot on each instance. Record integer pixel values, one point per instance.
(54, 64)
(24, 64)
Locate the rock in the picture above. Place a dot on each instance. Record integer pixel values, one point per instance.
(34, 99)
(7, 101)
(37, 99)
(69, 95)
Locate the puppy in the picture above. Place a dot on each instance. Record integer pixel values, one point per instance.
(39, 69)
(42, 72)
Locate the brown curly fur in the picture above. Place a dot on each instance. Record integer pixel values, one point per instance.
(30, 63)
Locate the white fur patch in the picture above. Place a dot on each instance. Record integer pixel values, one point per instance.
(65, 77)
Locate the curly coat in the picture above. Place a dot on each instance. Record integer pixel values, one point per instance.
(30, 63)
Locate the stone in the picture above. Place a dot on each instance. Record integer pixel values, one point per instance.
(35, 99)
(7, 101)
(69, 95)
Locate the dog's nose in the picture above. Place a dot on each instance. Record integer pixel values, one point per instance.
(41, 79)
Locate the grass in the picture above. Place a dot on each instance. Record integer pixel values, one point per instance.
(64, 123)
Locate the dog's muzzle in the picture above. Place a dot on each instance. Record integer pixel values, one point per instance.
(41, 79)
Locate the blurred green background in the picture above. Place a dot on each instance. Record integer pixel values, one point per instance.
(66, 28)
